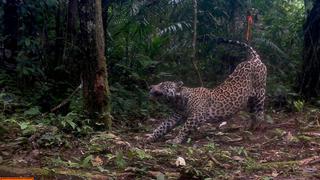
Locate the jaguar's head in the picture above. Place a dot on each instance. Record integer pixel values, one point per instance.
(167, 90)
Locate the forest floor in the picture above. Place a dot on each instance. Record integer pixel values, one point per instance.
(287, 148)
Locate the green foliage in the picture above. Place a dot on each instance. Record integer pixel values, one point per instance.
(85, 163)
(32, 111)
(298, 105)
(52, 139)
(27, 128)
(120, 161)
(72, 122)
(139, 153)
(281, 39)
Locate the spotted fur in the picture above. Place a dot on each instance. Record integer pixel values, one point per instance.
(194, 106)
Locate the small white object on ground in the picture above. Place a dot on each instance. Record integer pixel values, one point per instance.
(180, 162)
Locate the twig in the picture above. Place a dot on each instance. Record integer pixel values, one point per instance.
(64, 102)
(311, 160)
(217, 162)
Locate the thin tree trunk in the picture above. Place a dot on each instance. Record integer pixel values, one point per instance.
(69, 56)
(194, 41)
(96, 92)
(10, 22)
(105, 7)
(59, 34)
(72, 21)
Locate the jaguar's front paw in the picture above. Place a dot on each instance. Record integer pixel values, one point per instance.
(174, 141)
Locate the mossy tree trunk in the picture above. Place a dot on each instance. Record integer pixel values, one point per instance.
(94, 75)
(309, 79)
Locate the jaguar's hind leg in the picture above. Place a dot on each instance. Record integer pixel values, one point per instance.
(256, 109)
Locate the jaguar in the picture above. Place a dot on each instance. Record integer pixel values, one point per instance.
(192, 107)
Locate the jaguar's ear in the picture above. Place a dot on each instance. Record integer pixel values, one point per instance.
(179, 84)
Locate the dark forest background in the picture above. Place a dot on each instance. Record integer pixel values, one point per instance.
(149, 41)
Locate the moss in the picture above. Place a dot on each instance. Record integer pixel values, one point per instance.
(251, 165)
(46, 173)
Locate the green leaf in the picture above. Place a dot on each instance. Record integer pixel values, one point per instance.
(32, 111)
(24, 125)
(27, 42)
(71, 123)
(85, 162)
(160, 176)
(120, 161)
(101, 169)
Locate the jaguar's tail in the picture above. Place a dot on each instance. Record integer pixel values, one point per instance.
(252, 52)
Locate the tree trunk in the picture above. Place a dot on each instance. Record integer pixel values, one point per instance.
(72, 21)
(194, 41)
(10, 22)
(105, 7)
(309, 78)
(96, 92)
(59, 34)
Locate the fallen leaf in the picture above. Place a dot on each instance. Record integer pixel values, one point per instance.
(220, 134)
(310, 160)
(97, 161)
(5, 153)
(131, 169)
(274, 173)
(111, 136)
(289, 137)
(312, 133)
(237, 158)
(123, 143)
(22, 161)
(161, 151)
(235, 139)
(310, 170)
(173, 175)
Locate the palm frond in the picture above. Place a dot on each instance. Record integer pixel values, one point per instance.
(175, 27)
(272, 45)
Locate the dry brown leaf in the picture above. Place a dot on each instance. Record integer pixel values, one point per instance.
(312, 133)
(123, 143)
(289, 137)
(274, 173)
(238, 158)
(310, 160)
(97, 161)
